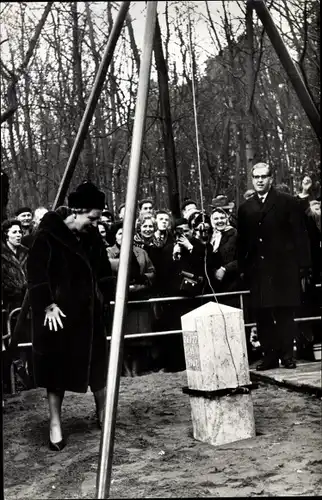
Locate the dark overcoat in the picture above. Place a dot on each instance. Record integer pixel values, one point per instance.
(272, 247)
(74, 274)
(14, 278)
(226, 256)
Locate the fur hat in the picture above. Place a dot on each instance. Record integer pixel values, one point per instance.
(87, 195)
(22, 210)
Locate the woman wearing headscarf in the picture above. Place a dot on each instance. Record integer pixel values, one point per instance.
(224, 238)
(69, 285)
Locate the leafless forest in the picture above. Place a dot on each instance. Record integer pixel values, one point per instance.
(247, 108)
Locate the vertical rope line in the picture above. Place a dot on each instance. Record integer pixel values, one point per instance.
(195, 117)
(201, 192)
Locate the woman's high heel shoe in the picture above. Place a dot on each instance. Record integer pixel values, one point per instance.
(57, 446)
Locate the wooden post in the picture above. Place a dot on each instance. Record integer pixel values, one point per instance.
(218, 374)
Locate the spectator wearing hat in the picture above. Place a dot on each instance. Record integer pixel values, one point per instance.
(69, 284)
(24, 215)
(28, 239)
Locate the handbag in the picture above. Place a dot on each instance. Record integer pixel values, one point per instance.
(190, 284)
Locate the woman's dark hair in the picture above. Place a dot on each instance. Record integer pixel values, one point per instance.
(102, 223)
(6, 225)
(145, 200)
(115, 227)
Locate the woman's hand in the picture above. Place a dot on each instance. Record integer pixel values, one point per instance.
(52, 317)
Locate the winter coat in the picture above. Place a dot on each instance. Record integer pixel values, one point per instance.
(14, 279)
(145, 267)
(139, 317)
(74, 274)
(272, 247)
(226, 256)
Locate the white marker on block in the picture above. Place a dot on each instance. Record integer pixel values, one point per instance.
(218, 374)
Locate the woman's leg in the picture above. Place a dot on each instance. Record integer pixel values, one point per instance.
(55, 400)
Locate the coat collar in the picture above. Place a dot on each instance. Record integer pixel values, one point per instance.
(19, 258)
(264, 208)
(53, 224)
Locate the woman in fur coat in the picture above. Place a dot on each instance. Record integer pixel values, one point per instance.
(14, 286)
(13, 265)
(69, 285)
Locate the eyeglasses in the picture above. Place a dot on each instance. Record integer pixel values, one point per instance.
(260, 176)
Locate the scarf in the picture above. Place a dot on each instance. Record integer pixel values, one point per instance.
(216, 238)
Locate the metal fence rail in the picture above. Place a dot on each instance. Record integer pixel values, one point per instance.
(155, 300)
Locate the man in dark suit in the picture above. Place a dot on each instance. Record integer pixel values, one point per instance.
(273, 257)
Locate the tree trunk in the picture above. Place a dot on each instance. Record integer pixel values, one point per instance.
(250, 79)
(166, 122)
(100, 125)
(87, 154)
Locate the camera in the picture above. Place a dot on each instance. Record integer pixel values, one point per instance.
(205, 231)
(179, 232)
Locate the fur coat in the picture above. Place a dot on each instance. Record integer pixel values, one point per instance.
(75, 274)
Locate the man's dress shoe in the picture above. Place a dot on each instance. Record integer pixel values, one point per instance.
(289, 363)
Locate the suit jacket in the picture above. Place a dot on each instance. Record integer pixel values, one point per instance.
(272, 247)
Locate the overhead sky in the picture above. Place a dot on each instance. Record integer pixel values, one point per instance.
(203, 44)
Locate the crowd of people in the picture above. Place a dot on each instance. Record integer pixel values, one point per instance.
(66, 263)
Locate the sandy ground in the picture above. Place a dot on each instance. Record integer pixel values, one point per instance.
(155, 455)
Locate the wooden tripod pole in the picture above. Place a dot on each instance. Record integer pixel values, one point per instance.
(293, 73)
(114, 367)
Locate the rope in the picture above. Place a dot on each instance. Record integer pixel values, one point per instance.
(201, 191)
(195, 117)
